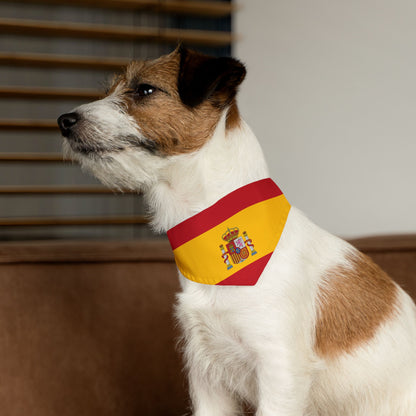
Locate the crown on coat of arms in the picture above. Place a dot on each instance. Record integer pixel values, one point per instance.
(230, 234)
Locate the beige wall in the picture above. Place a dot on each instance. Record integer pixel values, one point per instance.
(331, 95)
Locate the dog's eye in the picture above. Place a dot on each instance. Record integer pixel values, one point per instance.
(144, 90)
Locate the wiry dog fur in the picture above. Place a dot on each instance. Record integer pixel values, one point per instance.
(324, 332)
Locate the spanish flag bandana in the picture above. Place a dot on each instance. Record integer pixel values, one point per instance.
(231, 242)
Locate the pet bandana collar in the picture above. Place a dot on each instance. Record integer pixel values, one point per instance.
(231, 242)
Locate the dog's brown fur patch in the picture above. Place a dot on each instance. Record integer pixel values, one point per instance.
(353, 302)
(162, 118)
(233, 116)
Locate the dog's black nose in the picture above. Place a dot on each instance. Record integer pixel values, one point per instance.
(66, 122)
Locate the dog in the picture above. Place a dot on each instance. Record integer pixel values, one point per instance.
(321, 330)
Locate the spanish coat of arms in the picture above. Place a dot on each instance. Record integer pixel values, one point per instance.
(237, 247)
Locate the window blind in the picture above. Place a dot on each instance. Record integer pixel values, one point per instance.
(55, 55)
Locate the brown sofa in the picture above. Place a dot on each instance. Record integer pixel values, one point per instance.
(86, 328)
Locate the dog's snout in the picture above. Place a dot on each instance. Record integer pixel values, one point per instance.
(66, 122)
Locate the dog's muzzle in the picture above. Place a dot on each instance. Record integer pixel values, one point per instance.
(67, 122)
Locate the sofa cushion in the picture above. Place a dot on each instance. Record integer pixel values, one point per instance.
(86, 328)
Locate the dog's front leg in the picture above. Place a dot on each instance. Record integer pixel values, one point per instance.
(209, 399)
(283, 384)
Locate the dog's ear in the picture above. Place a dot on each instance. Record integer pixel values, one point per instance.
(202, 77)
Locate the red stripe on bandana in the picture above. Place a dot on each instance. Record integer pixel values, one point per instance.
(226, 207)
(249, 275)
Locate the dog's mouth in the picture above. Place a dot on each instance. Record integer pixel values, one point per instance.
(86, 148)
(82, 147)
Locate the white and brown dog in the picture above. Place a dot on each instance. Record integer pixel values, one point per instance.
(324, 331)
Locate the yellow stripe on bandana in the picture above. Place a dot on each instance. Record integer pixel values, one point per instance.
(231, 242)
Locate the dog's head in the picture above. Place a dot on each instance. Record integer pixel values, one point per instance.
(153, 111)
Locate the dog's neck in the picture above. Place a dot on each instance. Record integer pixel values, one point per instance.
(190, 183)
